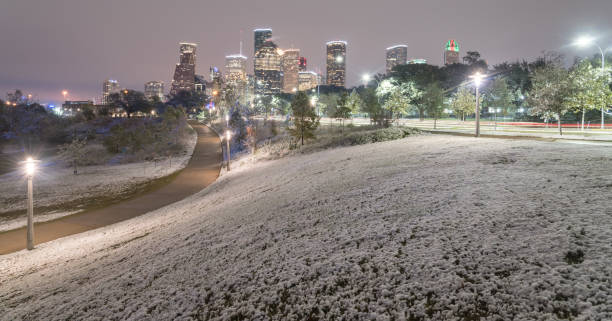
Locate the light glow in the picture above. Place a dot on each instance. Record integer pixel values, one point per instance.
(30, 166)
(584, 41)
(477, 78)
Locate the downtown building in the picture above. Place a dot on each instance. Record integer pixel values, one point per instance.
(396, 55)
(184, 73)
(303, 64)
(108, 87)
(267, 64)
(236, 76)
(336, 63)
(451, 53)
(290, 68)
(154, 89)
(307, 80)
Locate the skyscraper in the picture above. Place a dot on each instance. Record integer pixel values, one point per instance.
(267, 63)
(303, 64)
(307, 80)
(108, 87)
(291, 65)
(336, 63)
(396, 55)
(451, 53)
(184, 74)
(154, 89)
(261, 36)
(235, 75)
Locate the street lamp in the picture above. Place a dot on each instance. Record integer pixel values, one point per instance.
(228, 135)
(30, 169)
(590, 41)
(64, 93)
(477, 78)
(366, 78)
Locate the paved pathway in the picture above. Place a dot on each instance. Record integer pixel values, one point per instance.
(203, 169)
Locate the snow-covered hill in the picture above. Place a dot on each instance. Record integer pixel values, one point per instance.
(424, 228)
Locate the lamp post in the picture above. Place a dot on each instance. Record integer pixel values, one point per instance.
(30, 168)
(64, 93)
(227, 139)
(477, 77)
(584, 42)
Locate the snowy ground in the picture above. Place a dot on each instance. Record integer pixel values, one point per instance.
(425, 228)
(55, 184)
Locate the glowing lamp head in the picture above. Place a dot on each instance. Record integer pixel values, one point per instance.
(339, 59)
(477, 77)
(584, 41)
(215, 93)
(64, 93)
(228, 134)
(30, 166)
(366, 78)
(227, 117)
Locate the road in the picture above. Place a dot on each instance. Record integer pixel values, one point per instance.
(202, 170)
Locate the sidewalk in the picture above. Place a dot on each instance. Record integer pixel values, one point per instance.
(202, 170)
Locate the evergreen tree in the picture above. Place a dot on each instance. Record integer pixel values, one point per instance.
(433, 100)
(305, 120)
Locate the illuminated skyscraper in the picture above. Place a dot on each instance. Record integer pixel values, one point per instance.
(396, 55)
(268, 69)
(291, 65)
(417, 61)
(303, 64)
(235, 75)
(154, 89)
(451, 53)
(108, 87)
(184, 74)
(216, 79)
(336, 63)
(307, 80)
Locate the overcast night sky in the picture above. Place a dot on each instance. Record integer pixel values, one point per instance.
(50, 45)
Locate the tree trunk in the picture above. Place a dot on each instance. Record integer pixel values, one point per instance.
(559, 125)
(582, 126)
(74, 162)
(435, 120)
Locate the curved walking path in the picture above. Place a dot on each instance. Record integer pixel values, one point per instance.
(202, 170)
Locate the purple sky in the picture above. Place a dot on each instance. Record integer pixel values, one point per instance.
(50, 45)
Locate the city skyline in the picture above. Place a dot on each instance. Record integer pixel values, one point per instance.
(44, 68)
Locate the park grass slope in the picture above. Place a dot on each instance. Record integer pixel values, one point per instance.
(424, 228)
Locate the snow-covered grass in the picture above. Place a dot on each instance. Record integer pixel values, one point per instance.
(56, 185)
(424, 228)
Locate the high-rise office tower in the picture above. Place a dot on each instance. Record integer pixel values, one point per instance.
(154, 89)
(291, 65)
(396, 55)
(451, 53)
(307, 80)
(303, 64)
(336, 63)
(216, 79)
(235, 75)
(268, 69)
(261, 36)
(184, 74)
(108, 87)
